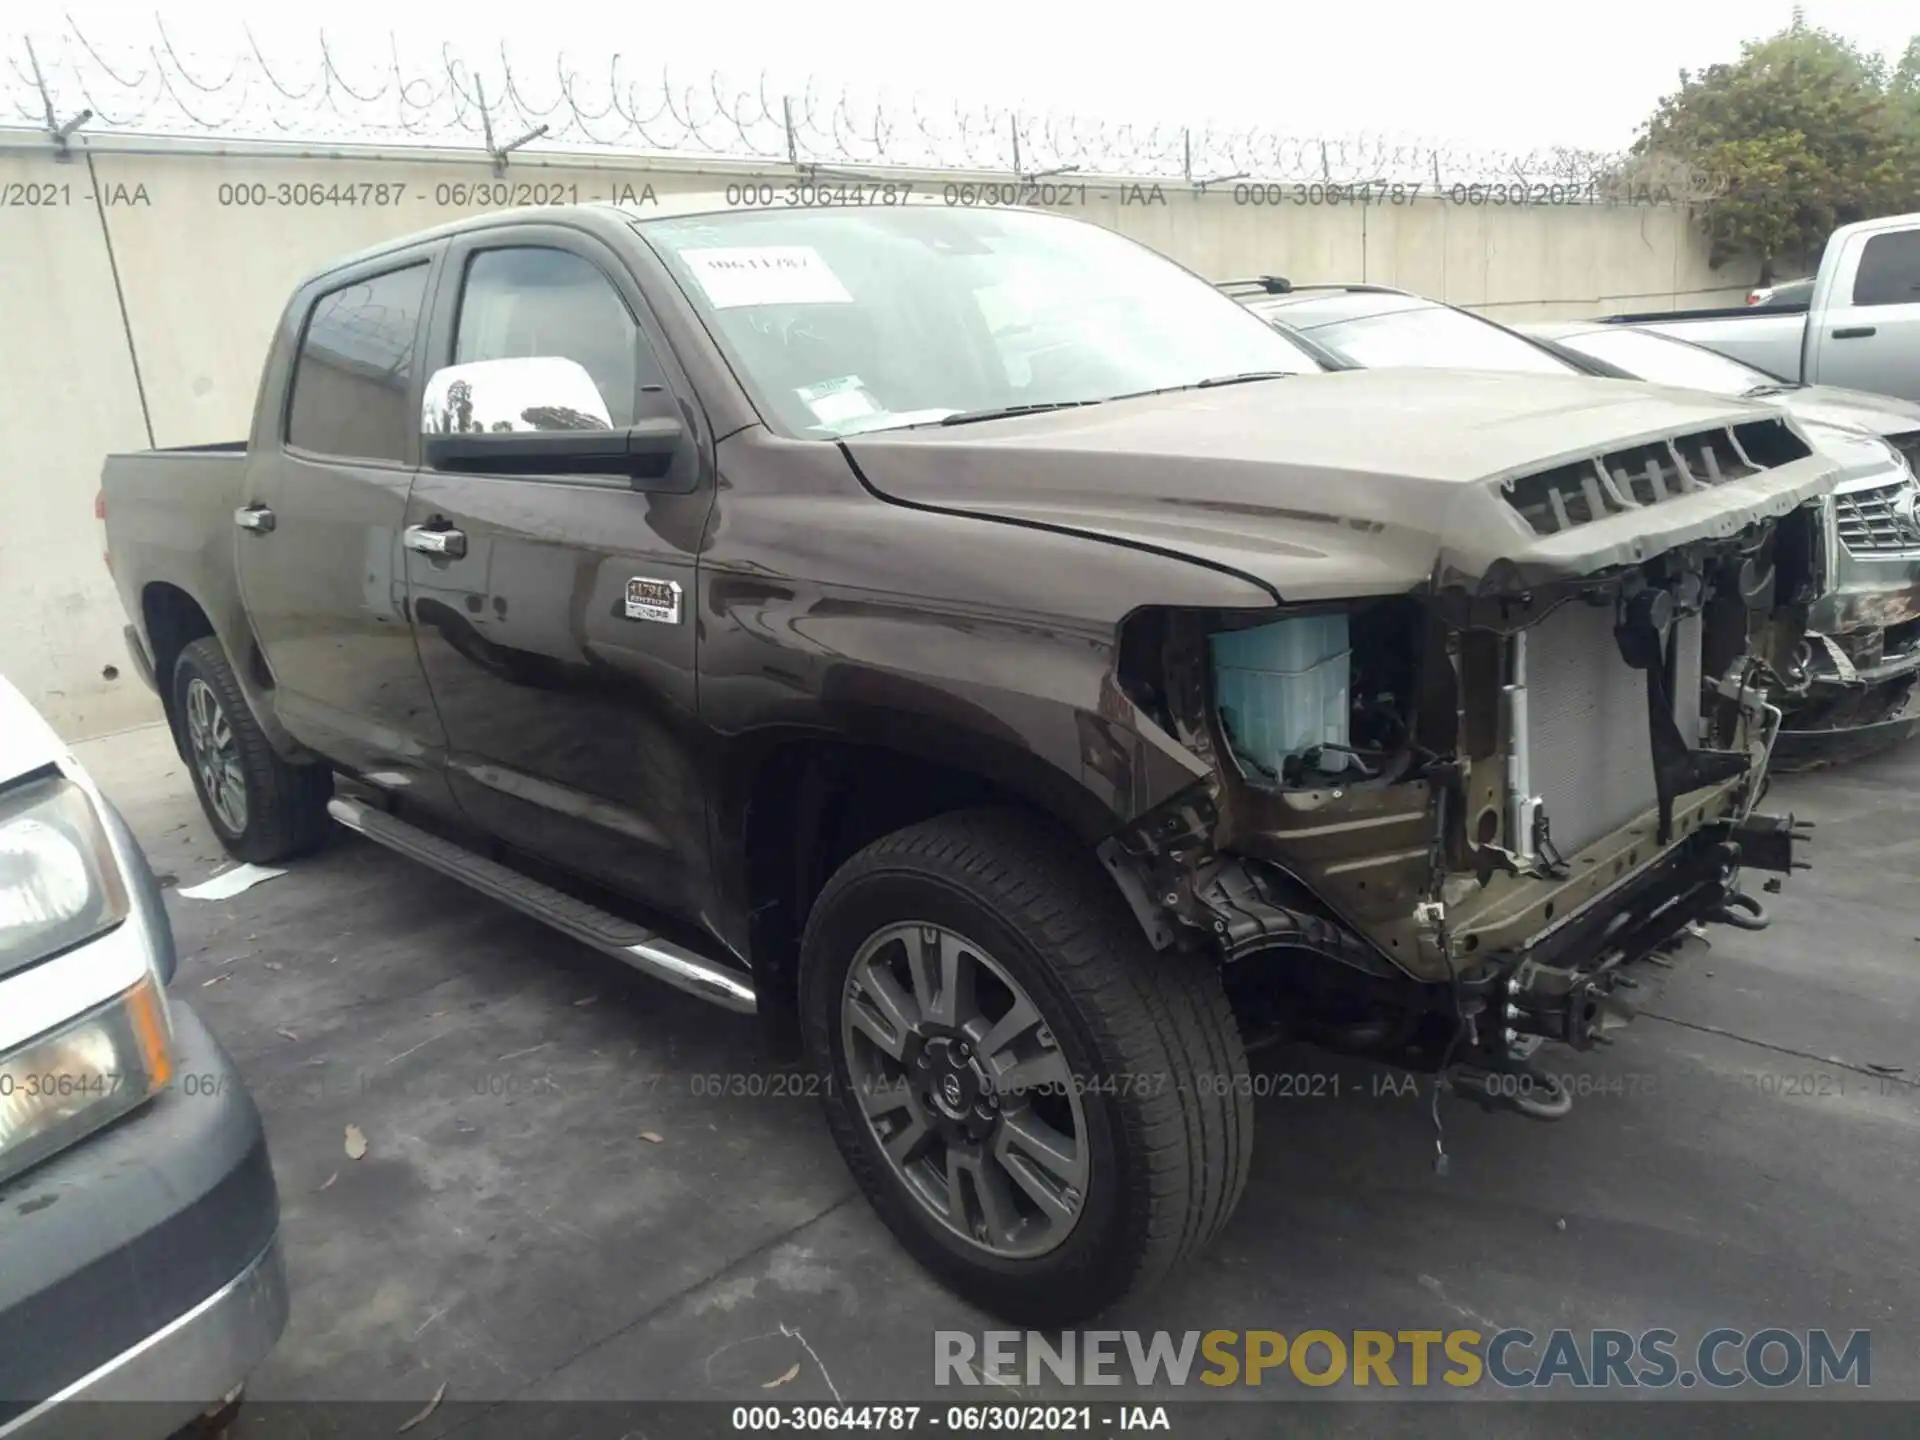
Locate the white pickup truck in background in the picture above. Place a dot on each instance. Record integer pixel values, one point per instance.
(1861, 329)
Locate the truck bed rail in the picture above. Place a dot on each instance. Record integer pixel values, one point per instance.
(1720, 312)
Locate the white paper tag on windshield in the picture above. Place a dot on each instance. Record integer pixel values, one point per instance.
(765, 275)
(834, 402)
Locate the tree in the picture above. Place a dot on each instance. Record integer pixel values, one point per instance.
(1802, 133)
(1906, 93)
(1906, 76)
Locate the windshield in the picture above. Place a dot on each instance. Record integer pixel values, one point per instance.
(1434, 337)
(842, 321)
(1667, 361)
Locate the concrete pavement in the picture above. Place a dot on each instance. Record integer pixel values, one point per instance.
(581, 1184)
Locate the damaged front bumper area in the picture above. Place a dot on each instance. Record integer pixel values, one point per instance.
(1861, 656)
(1444, 829)
(1585, 978)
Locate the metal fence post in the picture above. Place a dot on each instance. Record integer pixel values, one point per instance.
(59, 133)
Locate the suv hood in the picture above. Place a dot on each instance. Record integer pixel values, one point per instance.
(1365, 482)
(1854, 409)
(1864, 457)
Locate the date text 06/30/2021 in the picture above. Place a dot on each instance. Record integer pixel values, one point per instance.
(468, 195)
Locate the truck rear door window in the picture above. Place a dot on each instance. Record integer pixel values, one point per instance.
(530, 301)
(354, 373)
(1889, 271)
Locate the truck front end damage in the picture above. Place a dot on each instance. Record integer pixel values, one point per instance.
(1445, 826)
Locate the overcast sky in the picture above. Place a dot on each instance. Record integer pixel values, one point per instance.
(1509, 73)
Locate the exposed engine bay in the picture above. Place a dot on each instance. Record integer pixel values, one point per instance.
(1451, 823)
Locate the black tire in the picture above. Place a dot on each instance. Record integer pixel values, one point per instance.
(285, 805)
(1149, 1037)
(216, 1424)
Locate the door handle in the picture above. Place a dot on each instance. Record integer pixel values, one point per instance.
(451, 544)
(257, 518)
(1853, 332)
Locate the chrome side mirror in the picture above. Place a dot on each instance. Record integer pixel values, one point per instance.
(536, 393)
(543, 415)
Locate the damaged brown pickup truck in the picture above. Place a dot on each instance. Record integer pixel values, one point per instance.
(977, 646)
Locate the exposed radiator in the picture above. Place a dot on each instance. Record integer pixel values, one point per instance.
(1589, 759)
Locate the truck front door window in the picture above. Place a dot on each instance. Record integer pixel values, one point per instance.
(560, 696)
(355, 368)
(1889, 271)
(527, 301)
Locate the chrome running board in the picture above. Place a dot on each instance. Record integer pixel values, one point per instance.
(722, 985)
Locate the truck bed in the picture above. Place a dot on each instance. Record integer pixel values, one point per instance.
(169, 516)
(1769, 340)
(1709, 312)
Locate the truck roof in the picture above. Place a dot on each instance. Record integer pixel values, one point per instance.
(611, 218)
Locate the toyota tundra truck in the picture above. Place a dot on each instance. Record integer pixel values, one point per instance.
(1015, 672)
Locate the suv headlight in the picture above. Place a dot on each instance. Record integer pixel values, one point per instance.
(1858, 451)
(59, 881)
(91, 1070)
(60, 886)
(1895, 456)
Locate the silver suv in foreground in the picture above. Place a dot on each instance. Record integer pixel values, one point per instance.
(139, 1221)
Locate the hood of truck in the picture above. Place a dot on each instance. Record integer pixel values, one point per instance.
(1365, 482)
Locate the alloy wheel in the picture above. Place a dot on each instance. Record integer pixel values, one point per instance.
(965, 1089)
(216, 755)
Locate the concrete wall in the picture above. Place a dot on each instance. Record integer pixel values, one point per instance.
(145, 272)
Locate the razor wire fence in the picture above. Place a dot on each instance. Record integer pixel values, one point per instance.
(61, 82)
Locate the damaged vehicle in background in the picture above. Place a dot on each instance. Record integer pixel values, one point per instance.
(974, 644)
(1862, 651)
(1860, 660)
